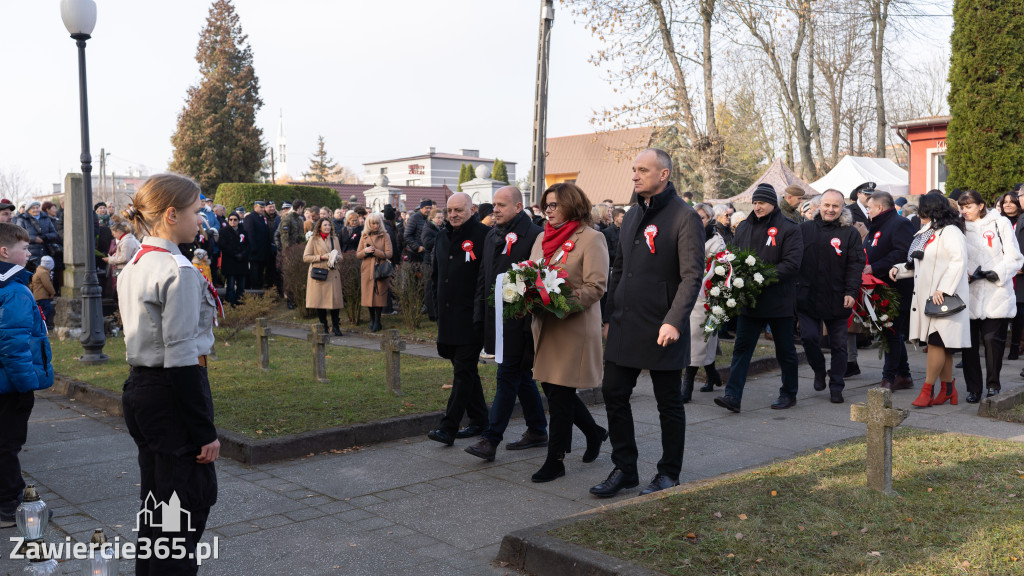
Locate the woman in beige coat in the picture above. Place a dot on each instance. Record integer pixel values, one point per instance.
(567, 352)
(374, 248)
(323, 250)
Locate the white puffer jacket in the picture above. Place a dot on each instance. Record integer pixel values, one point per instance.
(992, 244)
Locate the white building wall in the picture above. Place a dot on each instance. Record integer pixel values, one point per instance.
(436, 171)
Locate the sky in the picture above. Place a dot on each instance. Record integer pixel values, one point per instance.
(379, 80)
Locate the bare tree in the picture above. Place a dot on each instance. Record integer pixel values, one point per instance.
(878, 14)
(838, 43)
(14, 185)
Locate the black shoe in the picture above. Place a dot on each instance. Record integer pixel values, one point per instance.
(819, 381)
(659, 483)
(973, 398)
(483, 449)
(552, 468)
(441, 436)
(688, 376)
(1013, 355)
(470, 431)
(959, 364)
(784, 402)
(991, 392)
(594, 445)
(835, 395)
(732, 404)
(709, 387)
(616, 482)
(852, 369)
(530, 439)
(336, 331)
(291, 305)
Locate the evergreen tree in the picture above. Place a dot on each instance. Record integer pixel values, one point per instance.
(217, 139)
(499, 173)
(985, 143)
(462, 177)
(321, 168)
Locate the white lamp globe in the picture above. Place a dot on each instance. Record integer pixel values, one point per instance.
(79, 16)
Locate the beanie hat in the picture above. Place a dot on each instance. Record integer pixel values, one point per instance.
(485, 210)
(389, 212)
(765, 192)
(46, 262)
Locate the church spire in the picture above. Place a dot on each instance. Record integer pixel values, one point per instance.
(281, 148)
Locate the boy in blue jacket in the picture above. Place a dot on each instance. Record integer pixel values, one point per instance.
(24, 363)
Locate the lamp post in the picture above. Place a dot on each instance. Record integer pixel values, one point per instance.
(540, 102)
(79, 18)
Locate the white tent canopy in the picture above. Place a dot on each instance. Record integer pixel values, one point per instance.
(852, 171)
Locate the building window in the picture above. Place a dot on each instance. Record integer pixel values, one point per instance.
(940, 173)
(384, 170)
(412, 182)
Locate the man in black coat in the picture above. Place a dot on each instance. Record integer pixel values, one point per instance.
(414, 228)
(859, 207)
(828, 286)
(775, 240)
(509, 242)
(258, 233)
(887, 243)
(457, 257)
(611, 236)
(656, 275)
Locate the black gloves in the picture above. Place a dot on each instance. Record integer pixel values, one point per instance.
(980, 274)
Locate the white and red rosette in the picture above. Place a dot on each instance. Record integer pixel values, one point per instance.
(510, 239)
(467, 246)
(563, 255)
(772, 233)
(878, 235)
(836, 243)
(650, 233)
(989, 235)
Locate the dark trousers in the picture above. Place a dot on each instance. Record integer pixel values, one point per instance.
(215, 269)
(46, 306)
(810, 334)
(617, 388)
(991, 333)
(467, 396)
(272, 274)
(15, 409)
(236, 289)
(1017, 328)
(566, 409)
(257, 272)
(896, 362)
(515, 382)
(748, 330)
(167, 463)
(321, 314)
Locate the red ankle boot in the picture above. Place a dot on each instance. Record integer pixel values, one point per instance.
(924, 399)
(947, 392)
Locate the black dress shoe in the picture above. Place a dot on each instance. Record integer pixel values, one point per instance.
(784, 402)
(336, 331)
(835, 395)
(530, 439)
(616, 482)
(659, 483)
(852, 369)
(728, 402)
(973, 398)
(470, 431)
(441, 436)
(709, 387)
(483, 449)
(819, 381)
(552, 468)
(594, 445)
(959, 364)
(991, 392)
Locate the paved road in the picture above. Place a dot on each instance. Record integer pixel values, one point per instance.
(414, 506)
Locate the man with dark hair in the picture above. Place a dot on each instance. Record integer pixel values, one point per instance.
(258, 233)
(290, 233)
(775, 240)
(661, 243)
(688, 198)
(414, 229)
(887, 243)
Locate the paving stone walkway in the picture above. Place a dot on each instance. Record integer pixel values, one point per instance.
(415, 507)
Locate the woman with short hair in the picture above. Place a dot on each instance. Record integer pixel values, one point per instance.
(350, 232)
(234, 259)
(374, 248)
(323, 251)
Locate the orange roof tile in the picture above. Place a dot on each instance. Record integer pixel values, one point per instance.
(603, 160)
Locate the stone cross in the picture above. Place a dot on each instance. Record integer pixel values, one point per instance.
(881, 418)
(392, 347)
(319, 340)
(263, 343)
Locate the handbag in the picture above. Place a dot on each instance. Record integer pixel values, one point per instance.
(383, 269)
(951, 304)
(320, 274)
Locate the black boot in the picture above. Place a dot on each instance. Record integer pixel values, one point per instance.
(553, 468)
(688, 375)
(713, 378)
(376, 322)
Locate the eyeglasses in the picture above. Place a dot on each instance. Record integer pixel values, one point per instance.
(551, 207)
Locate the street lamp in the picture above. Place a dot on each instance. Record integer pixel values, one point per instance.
(79, 18)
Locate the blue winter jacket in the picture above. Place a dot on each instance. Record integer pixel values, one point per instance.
(24, 347)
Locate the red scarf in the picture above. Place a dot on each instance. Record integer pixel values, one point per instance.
(555, 237)
(324, 236)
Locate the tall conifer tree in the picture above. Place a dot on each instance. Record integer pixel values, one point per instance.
(321, 168)
(217, 139)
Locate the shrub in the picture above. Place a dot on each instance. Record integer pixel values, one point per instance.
(408, 284)
(295, 274)
(251, 307)
(351, 286)
(239, 194)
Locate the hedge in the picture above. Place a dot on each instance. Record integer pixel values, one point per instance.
(232, 194)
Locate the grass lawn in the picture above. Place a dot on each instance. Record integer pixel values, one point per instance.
(1014, 415)
(287, 399)
(426, 331)
(959, 512)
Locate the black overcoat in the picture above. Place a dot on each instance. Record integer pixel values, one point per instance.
(234, 251)
(455, 280)
(786, 254)
(887, 243)
(258, 234)
(831, 268)
(651, 287)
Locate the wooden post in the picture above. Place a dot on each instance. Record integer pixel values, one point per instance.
(392, 347)
(263, 343)
(881, 418)
(319, 340)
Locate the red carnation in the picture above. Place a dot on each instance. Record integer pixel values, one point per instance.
(876, 297)
(885, 303)
(708, 284)
(707, 307)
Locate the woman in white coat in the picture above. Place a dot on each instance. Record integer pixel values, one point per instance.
(937, 260)
(993, 259)
(703, 353)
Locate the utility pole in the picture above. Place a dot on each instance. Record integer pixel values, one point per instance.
(540, 103)
(103, 174)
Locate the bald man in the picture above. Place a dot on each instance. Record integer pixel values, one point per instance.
(458, 253)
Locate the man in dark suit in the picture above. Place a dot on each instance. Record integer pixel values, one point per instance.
(509, 242)
(258, 232)
(656, 275)
(458, 254)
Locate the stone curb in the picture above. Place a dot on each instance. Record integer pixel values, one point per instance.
(99, 398)
(992, 406)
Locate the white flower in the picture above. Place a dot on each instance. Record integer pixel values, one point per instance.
(883, 317)
(738, 282)
(720, 270)
(508, 293)
(758, 278)
(715, 291)
(750, 261)
(730, 257)
(709, 328)
(520, 287)
(552, 282)
(731, 303)
(888, 324)
(309, 235)
(717, 310)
